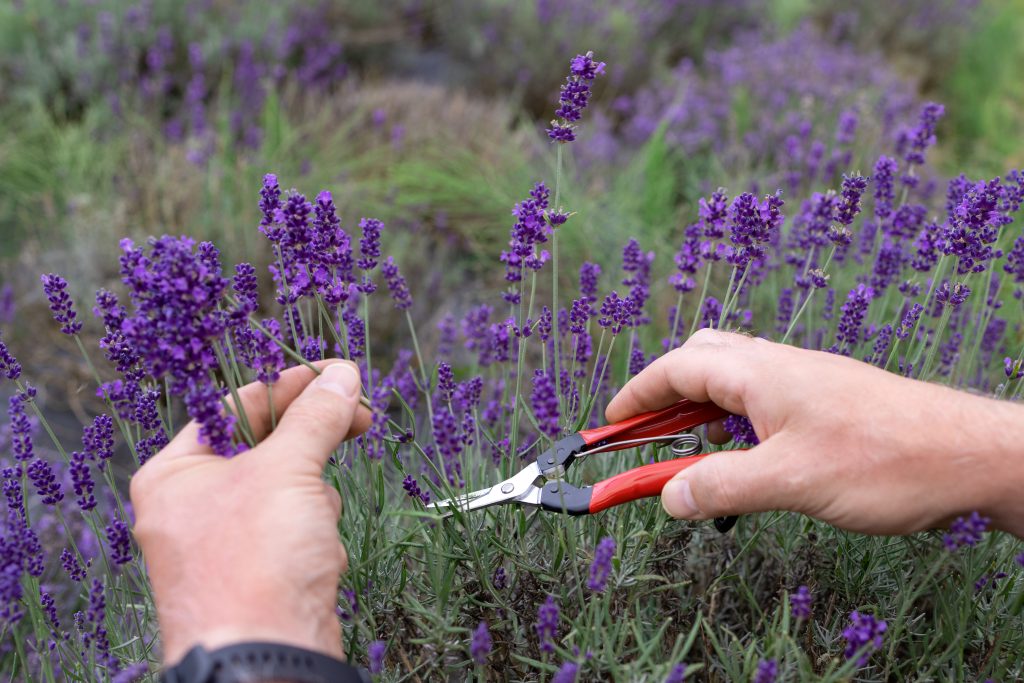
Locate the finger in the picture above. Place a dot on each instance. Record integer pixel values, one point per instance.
(318, 419)
(334, 498)
(737, 483)
(255, 399)
(710, 366)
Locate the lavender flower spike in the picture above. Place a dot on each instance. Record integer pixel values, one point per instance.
(800, 602)
(965, 531)
(677, 674)
(863, 634)
(547, 624)
(767, 671)
(602, 565)
(574, 97)
(9, 365)
(56, 289)
(480, 646)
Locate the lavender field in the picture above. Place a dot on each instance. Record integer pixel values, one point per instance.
(502, 210)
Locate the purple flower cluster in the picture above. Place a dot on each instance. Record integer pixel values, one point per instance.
(574, 96)
(800, 603)
(530, 229)
(677, 674)
(480, 645)
(547, 624)
(412, 489)
(178, 325)
(544, 401)
(56, 289)
(767, 671)
(863, 636)
(965, 531)
(375, 656)
(741, 430)
(601, 567)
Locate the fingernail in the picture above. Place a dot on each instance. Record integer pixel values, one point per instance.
(677, 499)
(340, 378)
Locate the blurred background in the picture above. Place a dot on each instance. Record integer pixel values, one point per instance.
(135, 118)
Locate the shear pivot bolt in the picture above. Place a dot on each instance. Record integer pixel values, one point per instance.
(551, 459)
(507, 488)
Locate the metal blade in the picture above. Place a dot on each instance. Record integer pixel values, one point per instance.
(515, 489)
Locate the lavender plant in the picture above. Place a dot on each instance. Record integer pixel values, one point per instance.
(913, 282)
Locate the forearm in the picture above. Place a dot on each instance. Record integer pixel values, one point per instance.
(1000, 431)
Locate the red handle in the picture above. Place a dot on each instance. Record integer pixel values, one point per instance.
(642, 482)
(676, 418)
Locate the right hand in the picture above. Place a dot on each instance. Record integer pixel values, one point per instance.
(841, 440)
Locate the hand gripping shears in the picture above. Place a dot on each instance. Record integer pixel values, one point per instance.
(542, 484)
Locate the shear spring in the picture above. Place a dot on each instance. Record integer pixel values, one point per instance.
(682, 445)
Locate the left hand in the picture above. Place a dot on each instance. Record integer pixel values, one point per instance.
(247, 548)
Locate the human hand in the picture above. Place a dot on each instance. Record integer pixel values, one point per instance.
(841, 440)
(247, 548)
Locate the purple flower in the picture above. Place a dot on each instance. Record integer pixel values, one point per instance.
(752, 225)
(480, 645)
(923, 135)
(396, 284)
(56, 289)
(882, 342)
(369, 243)
(741, 430)
(42, 477)
(909, 321)
(131, 673)
(500, 579)
(952, 296)
(864, 636)
(412, 489)
(544, 401)
(885, 172)
(767, 671)
(75, 571)
(178, 323)
(854, 310)
(589, 273)
(1014, 369)
(677, 674)
(965, 531)
(574, 97)
(800, 603)
(9, 365)
(375, 654)
(98, 439)
(49, 607)
(566, 674)
(601, 567)
(20, 427)
(82, 481)
(988, 580)
(849, 205)
(547, 624)
(529, 230)
(579, 316)
(119, 541)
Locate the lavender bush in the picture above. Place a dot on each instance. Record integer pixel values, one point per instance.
(876, 262)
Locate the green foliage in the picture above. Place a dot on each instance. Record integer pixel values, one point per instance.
(986, 91)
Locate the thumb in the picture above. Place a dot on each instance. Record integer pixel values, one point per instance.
(728, 483)
(319, 418)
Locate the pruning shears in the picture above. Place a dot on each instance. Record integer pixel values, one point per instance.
(542, 484)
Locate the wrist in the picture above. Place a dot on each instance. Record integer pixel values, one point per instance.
(215, 629)
(1003, 465)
